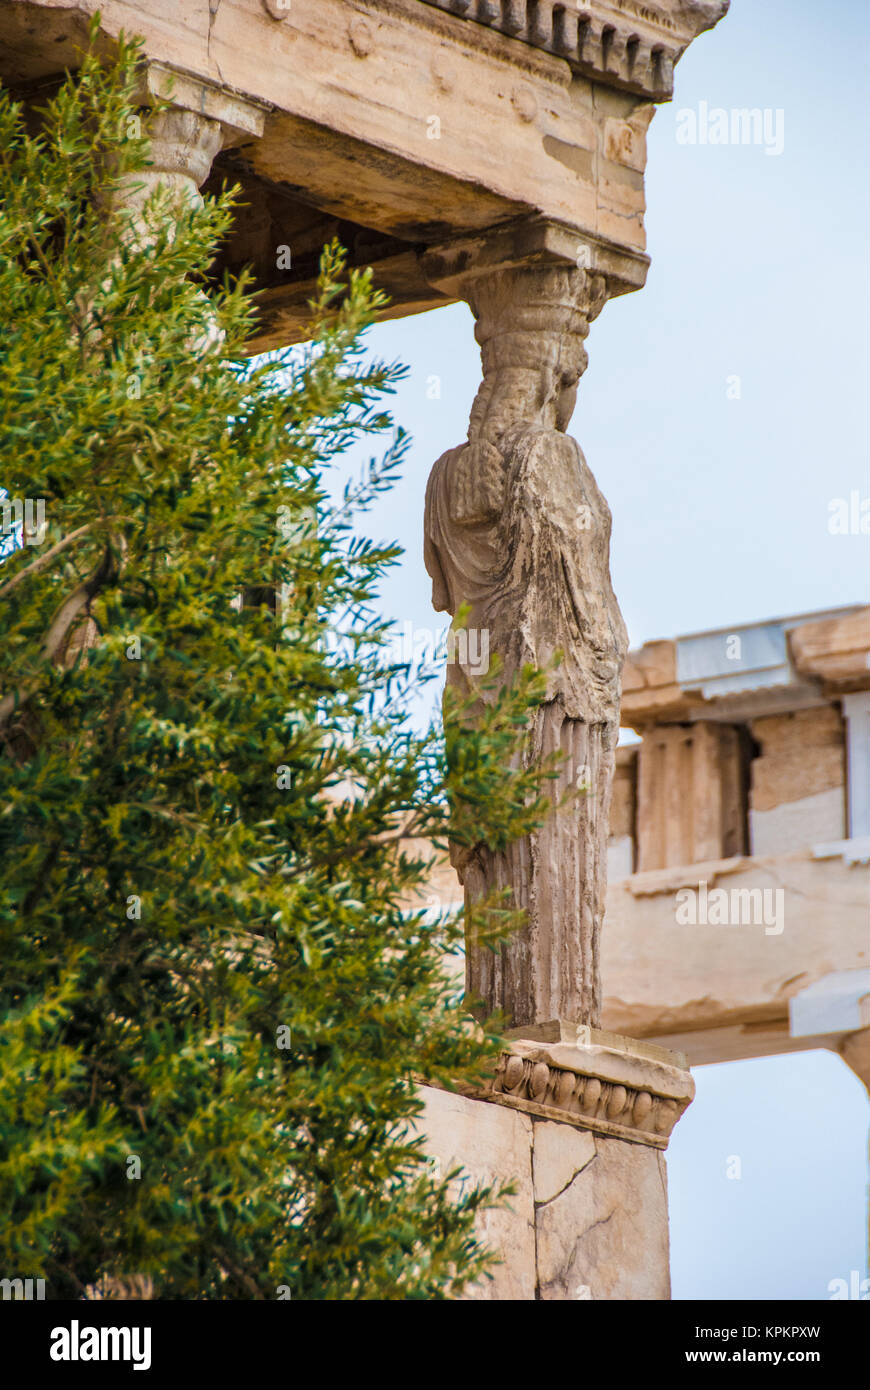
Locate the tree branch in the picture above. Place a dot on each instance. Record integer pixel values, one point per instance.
(71, 609)
(45, 559)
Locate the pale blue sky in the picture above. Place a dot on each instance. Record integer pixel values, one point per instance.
(720, 513)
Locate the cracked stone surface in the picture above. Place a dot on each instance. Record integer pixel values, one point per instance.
(493, 1144)
(605, 1235)
(560, 1153)
(590, 1216)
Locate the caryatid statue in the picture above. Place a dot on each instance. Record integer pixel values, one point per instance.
(516, 528)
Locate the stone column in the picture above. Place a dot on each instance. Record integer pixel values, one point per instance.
(185, 137)
(517, 529)
(855, 1052)
(183, 146)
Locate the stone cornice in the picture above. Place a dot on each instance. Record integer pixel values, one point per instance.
(609, 1084)
(624, 43)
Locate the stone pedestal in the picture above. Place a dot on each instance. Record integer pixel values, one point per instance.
(578, 1120)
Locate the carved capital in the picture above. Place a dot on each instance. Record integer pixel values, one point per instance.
(192, 121)
(601, 1082)
(240, 119)
(183, 146)
(534, 286)
(186, 134)
(530, 323)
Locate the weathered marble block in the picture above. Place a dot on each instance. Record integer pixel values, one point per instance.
(603, 1234)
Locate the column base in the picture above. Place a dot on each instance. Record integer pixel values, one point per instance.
(577, 1119)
